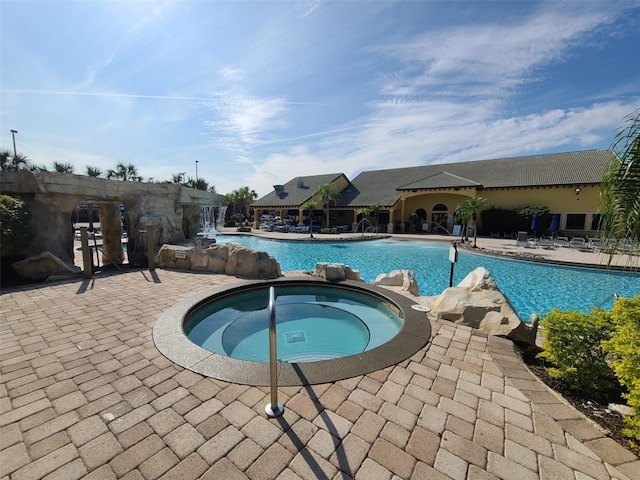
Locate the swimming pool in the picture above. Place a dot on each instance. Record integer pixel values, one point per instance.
(315, 322)
(530, 287)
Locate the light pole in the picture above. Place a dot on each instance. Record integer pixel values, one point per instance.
(13, 134)
(196, 171)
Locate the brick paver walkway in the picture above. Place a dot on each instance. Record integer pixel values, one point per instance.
(84, 393)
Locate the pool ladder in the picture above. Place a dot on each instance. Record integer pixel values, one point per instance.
(273, 409)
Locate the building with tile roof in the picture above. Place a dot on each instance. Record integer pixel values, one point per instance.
(568, 184)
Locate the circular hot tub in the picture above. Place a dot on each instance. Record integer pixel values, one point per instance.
(325, 331)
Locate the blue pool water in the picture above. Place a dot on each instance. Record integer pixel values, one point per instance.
(530, 287)
(313, 323)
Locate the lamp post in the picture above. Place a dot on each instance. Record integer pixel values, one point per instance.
(196, 171)
(13, 134)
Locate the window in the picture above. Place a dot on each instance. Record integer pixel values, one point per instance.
(576, 221)
(440, 207)
(595, 222)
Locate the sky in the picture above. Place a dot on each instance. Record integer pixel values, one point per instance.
(260, 92)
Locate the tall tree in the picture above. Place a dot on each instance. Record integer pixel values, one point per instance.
(327, 194)
(620, 190)
(468, 209)
(374, 210)
(241, 200)
(310, 206)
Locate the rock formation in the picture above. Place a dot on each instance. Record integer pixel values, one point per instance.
(405, 279)
(228, 258)
(335, 272)
(477, 302)
(45, 266)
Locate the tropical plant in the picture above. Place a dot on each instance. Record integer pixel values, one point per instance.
(620, 189)
(310, 206)
(11, 163)
(572, 343)
(15, 225)
(178, 178)
(200, 184)
(365, 212)
(468, 210)
(327, 194)
(124, 172)
(63, 167)
(374, 211)
(94, 171)
(241, 200)
(38, 168)
(624, 355)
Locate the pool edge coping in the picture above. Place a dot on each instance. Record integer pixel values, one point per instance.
(172, 342)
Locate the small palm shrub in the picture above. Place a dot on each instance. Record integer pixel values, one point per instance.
(329, 230)
(623, 347)
(572, 342)
(244, 229)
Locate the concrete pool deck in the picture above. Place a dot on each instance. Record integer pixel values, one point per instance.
(85, 393)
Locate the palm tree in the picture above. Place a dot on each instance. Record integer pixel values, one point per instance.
(178, 178)
(125, 173)
(469, 209)
(63, 167)
(10, 162)
(365, 212)
(310, 206)
(374, 210)
(327, 194)
(241, 200)
(94, 171)
(620, 189)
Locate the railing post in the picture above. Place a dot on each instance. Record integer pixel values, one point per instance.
(273, 409)
(151, 248)
(87, 255)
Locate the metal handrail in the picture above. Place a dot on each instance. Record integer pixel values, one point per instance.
(273, 409)
(613, 295)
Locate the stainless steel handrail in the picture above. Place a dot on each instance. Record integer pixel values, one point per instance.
(273, 409)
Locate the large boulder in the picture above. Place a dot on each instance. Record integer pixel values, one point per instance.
(227, 258)
(477, 303)
(335, 272)
(45, 266)
(405, 279)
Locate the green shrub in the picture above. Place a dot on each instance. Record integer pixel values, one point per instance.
(329, 230)
(573, 344)
(244, 229)
(623, 348)
(15, 222)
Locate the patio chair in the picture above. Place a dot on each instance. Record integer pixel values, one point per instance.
(562, 241)
(522, 240)
(579, 243)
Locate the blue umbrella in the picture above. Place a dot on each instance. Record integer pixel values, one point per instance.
(555, 223)
(534, 223)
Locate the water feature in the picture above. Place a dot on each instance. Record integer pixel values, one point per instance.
(530, 287)
(211, 224)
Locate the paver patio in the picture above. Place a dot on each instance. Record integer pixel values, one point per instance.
(84, 393)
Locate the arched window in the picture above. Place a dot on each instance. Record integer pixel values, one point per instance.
(421, 213)
(440, 207)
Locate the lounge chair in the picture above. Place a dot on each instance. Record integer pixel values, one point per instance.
(546, 242)
(579, 243)
(522, 240)
(562, 241)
